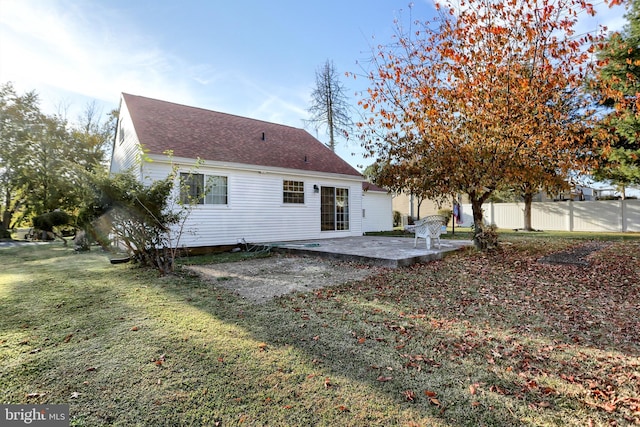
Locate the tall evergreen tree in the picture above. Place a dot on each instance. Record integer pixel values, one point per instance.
(618, 88)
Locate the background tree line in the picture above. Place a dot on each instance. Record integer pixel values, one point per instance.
(45, 160)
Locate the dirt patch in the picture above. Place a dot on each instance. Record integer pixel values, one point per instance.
(576, 256)
(262, 279)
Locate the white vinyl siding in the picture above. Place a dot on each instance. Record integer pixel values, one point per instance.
(126, 150)
(379, 213)
(255, 210)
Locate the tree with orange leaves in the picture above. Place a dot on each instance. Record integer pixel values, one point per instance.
(477, 99)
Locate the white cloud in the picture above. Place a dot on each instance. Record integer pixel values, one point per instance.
(68, 50)
(61, 46)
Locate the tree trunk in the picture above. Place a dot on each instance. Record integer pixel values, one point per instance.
(5, 221)
(476, 207)
(332, 143)
(483, 237)
(528, 200)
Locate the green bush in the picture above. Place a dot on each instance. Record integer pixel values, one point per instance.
(138, 216)
(47, 221)
(447, 213)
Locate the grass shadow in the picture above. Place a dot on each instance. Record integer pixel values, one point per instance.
(475, 339)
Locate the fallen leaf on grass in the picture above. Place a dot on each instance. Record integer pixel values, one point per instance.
(410, 395)
(342, 408)
(67, 338)
(91, 369)
(432, 397)
(75, 395)
(327, 383)
(383, 379)
(160, 360)
(262, 346)
(473, 388)
(548, 390)
(35, 350)
(34, 395)
(134, 328)
(497, 389)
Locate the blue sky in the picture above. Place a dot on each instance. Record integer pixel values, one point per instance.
(252, 58)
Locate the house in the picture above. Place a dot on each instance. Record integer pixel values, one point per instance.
(252, 180)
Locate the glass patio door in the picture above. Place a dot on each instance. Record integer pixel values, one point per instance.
(334, 209)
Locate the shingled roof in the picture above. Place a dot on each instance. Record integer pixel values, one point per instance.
(192, 132)
(369, 186)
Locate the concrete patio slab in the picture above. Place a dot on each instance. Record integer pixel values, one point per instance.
(390, 252)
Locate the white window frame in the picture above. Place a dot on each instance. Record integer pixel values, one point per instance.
(295, 190)
(206, 198)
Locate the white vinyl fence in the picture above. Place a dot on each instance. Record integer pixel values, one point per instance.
(609, 215)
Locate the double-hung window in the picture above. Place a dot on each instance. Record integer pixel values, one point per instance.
(293, 192)
(200, 189)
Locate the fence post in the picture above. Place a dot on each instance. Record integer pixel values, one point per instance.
(570, 216)
(493, 214)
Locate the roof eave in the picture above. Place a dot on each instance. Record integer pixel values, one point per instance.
(183, 162)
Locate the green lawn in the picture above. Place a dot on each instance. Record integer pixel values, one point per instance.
(475, 339)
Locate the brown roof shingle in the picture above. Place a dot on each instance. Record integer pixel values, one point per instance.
(369, 186)
(192, 132)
